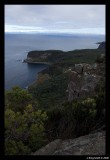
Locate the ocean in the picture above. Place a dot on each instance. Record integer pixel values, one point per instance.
(17, 47)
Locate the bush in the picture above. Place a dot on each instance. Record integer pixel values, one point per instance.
(13, 147)
(74, 119)
(51, 92)
(24, 132)
(17, 99)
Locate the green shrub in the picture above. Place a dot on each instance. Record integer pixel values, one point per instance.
(13, 147)
(24, 132)
(51, 92)
(73, 119)
(17, 99)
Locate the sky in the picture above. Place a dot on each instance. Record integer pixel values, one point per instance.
(72, 19)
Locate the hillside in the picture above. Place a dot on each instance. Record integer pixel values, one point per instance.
(57, 56)
(71, 96)
(61, 108)
(47, 87)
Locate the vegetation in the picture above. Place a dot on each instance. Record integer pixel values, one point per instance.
(75, 56)
(35, 117)
(24, 128)
(75, 119)
(51, 92)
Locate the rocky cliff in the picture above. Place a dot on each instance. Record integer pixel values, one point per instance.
(84, 79)
(91, 144)
(46, 56)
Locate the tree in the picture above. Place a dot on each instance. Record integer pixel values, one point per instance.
(24, 126)
(17, 99)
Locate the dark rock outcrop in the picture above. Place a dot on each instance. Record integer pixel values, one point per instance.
(83, 80)
(74, 85)
(91, 144)
(102, 45)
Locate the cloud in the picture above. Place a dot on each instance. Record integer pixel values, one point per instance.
(55, 18)
(30, 29)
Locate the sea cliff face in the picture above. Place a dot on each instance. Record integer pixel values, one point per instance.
(47, 56)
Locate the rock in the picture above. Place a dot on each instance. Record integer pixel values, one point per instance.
(73, 91)
(79, 68)
(91, 144)
(49, 149)
(80, 87)
(73, 85)
(84, 67)
(84, 85)
(87, 67)
(91, 78)
(94, 66)
(89, 85)
(73, 76)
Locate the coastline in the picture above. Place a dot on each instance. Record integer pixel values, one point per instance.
(25, 61)
(34, 82)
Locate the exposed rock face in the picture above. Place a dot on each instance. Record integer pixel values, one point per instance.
(92, 144)
(73, 85)
(79, 68)
(84, 79)
(40, 54)
(89, 85)
(45, 56)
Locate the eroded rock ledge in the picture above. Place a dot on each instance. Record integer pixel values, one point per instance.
(91, 144)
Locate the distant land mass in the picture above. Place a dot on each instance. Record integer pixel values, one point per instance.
(101, 45)
(55, 56)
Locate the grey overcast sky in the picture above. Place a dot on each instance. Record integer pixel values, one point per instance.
(88, 19)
